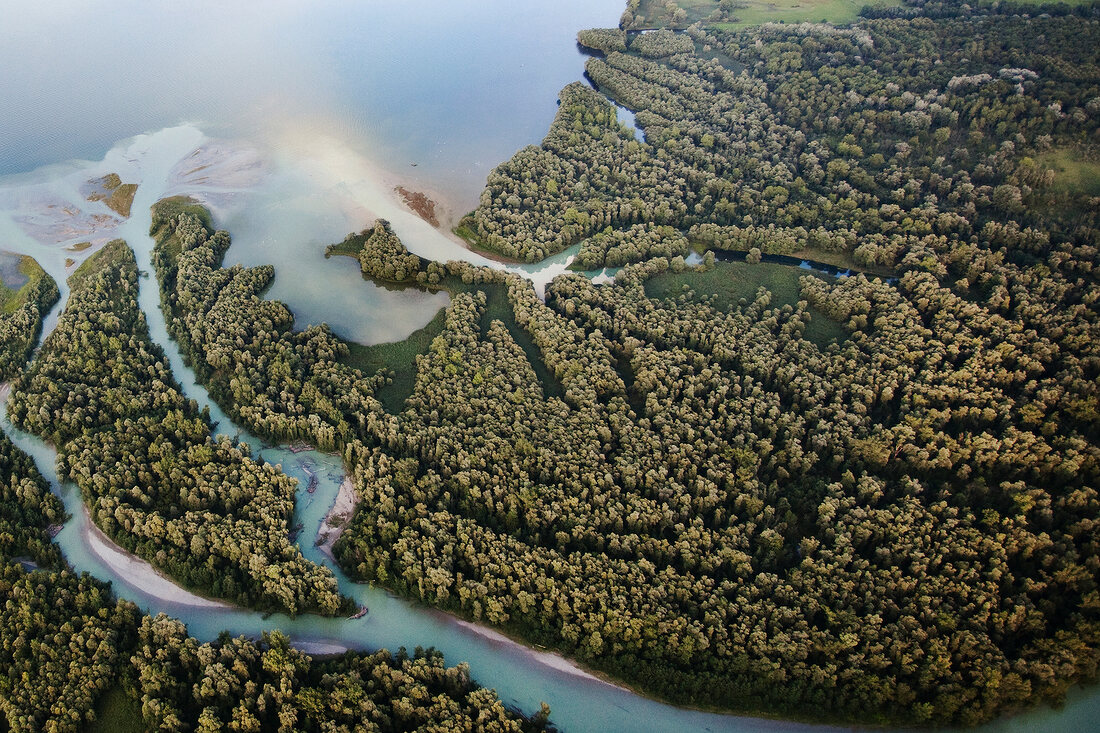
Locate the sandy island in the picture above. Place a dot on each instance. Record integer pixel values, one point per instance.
(420, 203)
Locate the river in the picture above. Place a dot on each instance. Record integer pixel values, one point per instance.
(294, 133)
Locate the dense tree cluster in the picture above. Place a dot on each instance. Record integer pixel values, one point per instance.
(528, 217)
(64, 640)
(604, 40)
(155, 481)
(898, 527)
(59, 632)
(243, 685)
(382, 256)
(282, 384)
(661, 43)
(61, 635)
(884, 530)
(21, 318)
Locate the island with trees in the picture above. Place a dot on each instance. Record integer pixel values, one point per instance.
(74, 657)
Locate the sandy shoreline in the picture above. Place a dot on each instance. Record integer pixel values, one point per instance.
(334, 524)
(140, 573)
(319, 648)
(554, 660)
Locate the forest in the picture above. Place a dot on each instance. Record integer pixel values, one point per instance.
(60, 631)
(21, 312)
(874, 502)
(67, 642)
(154, 479)
(762, 552)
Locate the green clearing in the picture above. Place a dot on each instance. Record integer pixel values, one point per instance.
(498, 308)
(117, 712)
(652, 13)
(728, 282)
(1074, 173)
(399, 357)
(350, 247)
(12, 299)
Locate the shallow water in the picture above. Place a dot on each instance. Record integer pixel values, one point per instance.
(627, 118)
(10, 275)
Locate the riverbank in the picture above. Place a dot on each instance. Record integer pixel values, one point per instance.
(337, 518)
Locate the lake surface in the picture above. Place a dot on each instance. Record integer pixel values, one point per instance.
(293, 121)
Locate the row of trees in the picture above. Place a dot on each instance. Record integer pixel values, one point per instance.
(382, 256)
(267, 685)
(872, 133)
(617, 247)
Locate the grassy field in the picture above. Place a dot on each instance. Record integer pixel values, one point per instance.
(497, 308)
(728, 282)
(117, 712)
(11, 299)
(1073, 173)
(1071, 3)
(839, 12)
